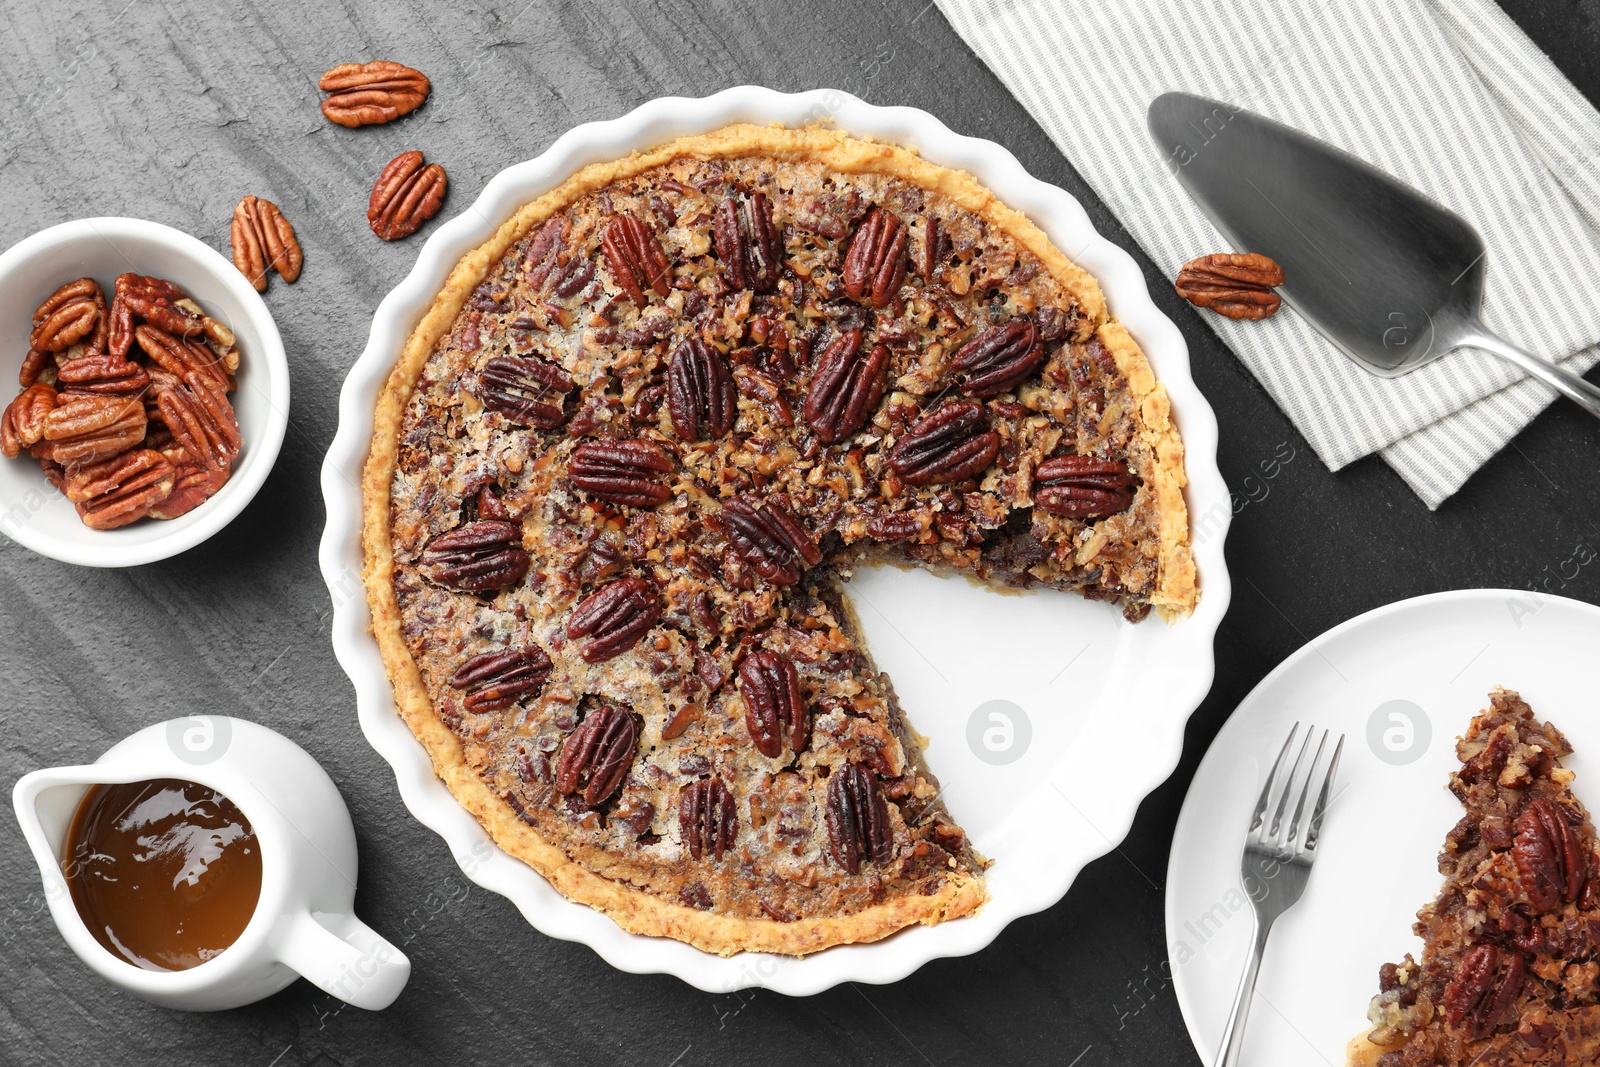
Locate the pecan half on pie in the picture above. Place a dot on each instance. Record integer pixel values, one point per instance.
(627, 455)
(1511, 947)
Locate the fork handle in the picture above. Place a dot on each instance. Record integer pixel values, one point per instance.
(1233, 1036)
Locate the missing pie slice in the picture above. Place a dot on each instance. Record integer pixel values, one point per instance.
(1511, 947)
(628, 455)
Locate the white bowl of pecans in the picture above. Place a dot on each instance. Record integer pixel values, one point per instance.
(152, 392)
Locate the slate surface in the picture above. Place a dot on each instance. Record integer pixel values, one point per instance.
(173, 111)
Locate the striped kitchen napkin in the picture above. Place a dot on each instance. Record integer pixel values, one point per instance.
(1448, 95)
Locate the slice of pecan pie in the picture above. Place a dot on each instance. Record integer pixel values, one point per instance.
(1511, 947)
(624, 460)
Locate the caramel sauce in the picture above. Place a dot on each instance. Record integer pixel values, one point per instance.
(164, 873)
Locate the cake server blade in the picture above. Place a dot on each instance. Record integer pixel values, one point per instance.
(1392, 278)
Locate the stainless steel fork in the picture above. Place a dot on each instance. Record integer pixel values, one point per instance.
(1277, 864)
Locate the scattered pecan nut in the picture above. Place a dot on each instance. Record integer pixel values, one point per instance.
(121, 489)
(635, 258)
(700, 393)
(370, 94)
(766, 535)
(858, 818)
(707, 818)
(875, 266)
(264, 241)
(846, 387)
(614, 617)
(999, 359)
(948, 444)
(597, 755)
(201, 420)
(1082, 487)
(102, 373)
(193, 483)
(82, 430)
(1484, 987)
(22, 424)
(1549, 857)
(1236, 284)
(498, 679)
(774, 709)
(479, 557)
(527, 390)
(747, 242)
(406, 195)
(75, 312)
(623, 472)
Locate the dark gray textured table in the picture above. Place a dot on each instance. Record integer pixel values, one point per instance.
(173, 111)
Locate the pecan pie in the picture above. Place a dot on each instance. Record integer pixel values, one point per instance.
(624, 460)
(1511, 947)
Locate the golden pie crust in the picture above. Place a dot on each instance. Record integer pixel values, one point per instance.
(1173, 595)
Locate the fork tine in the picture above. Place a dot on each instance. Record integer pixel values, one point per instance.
(1295, 825)
(1272, 775)
(1288, 784)
(1310, 846)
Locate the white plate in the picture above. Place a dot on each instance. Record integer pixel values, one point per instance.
(1430, 661)
(1089, 682)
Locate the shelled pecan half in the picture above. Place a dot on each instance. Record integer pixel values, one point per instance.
(1236, 284)
(768, 537)
(370, 94)
(551, 266)
(201, 420)
(164, 306)
(36, 365)
(774, 709)
(623, 472)
(597, 754)
(858, 818)
(700, 392)
(102, 373)
(614, 617)
(635, 258)
(193, 483)
(707, 818)
(1484, 987)
(1549, 858)
(178, 356)
(846, 387)
(875, 266)
(407, 194)
(747, 242)
(22, 424)
(479, 557)
(1082, 487)
(121, 489)
(999, 359)
(525, 389)
(86, 429)
(498, 679)
(264, 241)
(75, 312)
(946, 445)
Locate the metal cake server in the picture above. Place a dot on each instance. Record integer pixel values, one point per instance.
(1392, 278)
